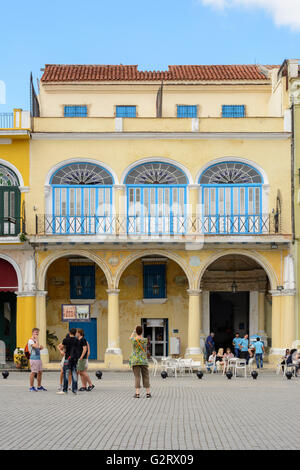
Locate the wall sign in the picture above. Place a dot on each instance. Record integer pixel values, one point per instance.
(75, 313)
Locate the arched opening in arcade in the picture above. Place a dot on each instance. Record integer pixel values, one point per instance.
(76, 298)
(8, 306)
(236, 299)
(153, 293)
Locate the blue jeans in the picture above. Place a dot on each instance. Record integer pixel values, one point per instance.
(259, 360)
(70, 366)
(236, 352)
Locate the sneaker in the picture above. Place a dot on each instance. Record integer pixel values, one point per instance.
(83, 389)
(42, 389)
(90, 388)
(61, 392)
(59, 388)
(33, 389)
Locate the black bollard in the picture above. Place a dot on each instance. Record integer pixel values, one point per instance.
(229, 374)
(289, 375)
(5, 374)
(200, 374)
(254, 374)
(164, 374)
(99, 374)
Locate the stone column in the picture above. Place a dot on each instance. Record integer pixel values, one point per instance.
(113, 354)
(253, 312)
(41, 323)
(26, 317)
(276, 350)
(261, 316)
(194, 325)
(288, 319)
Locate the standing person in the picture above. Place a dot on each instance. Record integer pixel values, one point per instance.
(138, 361)
(259, 350)
(72, 353)
(36, 365)
(244, 354)
(236, 344)
(61, 376)
(82, 362)
(209, 345)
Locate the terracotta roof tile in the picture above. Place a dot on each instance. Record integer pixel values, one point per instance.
(66, 73)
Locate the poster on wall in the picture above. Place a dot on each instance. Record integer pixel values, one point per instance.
(75, 313)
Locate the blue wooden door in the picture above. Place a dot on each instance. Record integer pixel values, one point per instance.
(90, 334)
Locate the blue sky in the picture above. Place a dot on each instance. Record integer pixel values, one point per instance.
(151, 34)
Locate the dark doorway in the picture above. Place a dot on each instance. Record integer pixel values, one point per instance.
(8, 322)
(229, 314)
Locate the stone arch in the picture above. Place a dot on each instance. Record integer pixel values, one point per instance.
(16, 268)
(156, 159)
(42, 271)
(15, 170)
(251, 254)
(131, 258)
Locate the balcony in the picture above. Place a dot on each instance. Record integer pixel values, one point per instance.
(11, 226)
(17, 120)
(108, 228)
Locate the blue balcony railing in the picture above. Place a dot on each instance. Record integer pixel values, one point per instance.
(6, 120)
(177, 225)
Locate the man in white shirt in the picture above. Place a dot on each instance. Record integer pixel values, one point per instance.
(36, 365)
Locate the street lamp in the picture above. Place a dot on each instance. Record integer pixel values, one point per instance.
(234, 287)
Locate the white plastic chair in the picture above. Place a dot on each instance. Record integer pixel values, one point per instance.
(241, 364)
(155, 365)
(172, 365)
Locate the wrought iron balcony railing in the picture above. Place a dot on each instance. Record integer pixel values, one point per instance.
(176, 225)
(11, 226)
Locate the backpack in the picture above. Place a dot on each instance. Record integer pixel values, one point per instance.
(27, 352)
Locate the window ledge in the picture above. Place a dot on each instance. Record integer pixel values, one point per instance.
(82, 301)
(154, 301)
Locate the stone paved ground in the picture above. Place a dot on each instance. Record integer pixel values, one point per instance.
(184, 413)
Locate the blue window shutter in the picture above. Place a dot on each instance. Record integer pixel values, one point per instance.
(154, 281)
(186, 111)
(82, 282)
(126, 111)
(232, 111)
(75, 111)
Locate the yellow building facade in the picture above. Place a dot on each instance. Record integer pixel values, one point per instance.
(161, 199)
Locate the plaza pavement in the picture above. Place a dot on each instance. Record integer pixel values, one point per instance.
(184, 413)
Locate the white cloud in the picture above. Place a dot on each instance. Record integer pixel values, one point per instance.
(283, 12)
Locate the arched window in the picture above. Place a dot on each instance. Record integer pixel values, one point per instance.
(232, 199)
(156, 199)
(82, 199)
(9, 202)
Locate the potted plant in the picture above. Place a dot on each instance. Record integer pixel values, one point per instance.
(51, 340)
(20, 359)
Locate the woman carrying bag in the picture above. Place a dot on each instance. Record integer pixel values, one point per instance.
(138, 361)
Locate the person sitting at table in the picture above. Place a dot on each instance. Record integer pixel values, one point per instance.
(284, 359)
(296, 360)
(219, 357)
(228, 354)
(211, 363)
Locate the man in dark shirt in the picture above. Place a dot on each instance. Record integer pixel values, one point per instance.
(71, 348)
(83, 362)
(209, 345)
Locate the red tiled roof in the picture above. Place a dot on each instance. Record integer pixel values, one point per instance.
(73, 73)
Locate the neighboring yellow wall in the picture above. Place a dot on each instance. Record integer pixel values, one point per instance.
(26, 320)
(17, 153)
(296, 246)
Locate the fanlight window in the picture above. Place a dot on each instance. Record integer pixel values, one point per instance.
(156, 173)
(232, 199)
(82, 174)
(156, 199)
(82, 198)
(230, 173)
(7, 177)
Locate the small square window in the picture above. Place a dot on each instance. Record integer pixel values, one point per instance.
(186, 111)
(82, 282)
(154, 281)
(232, 111)
(126, 111)
(75, 111)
